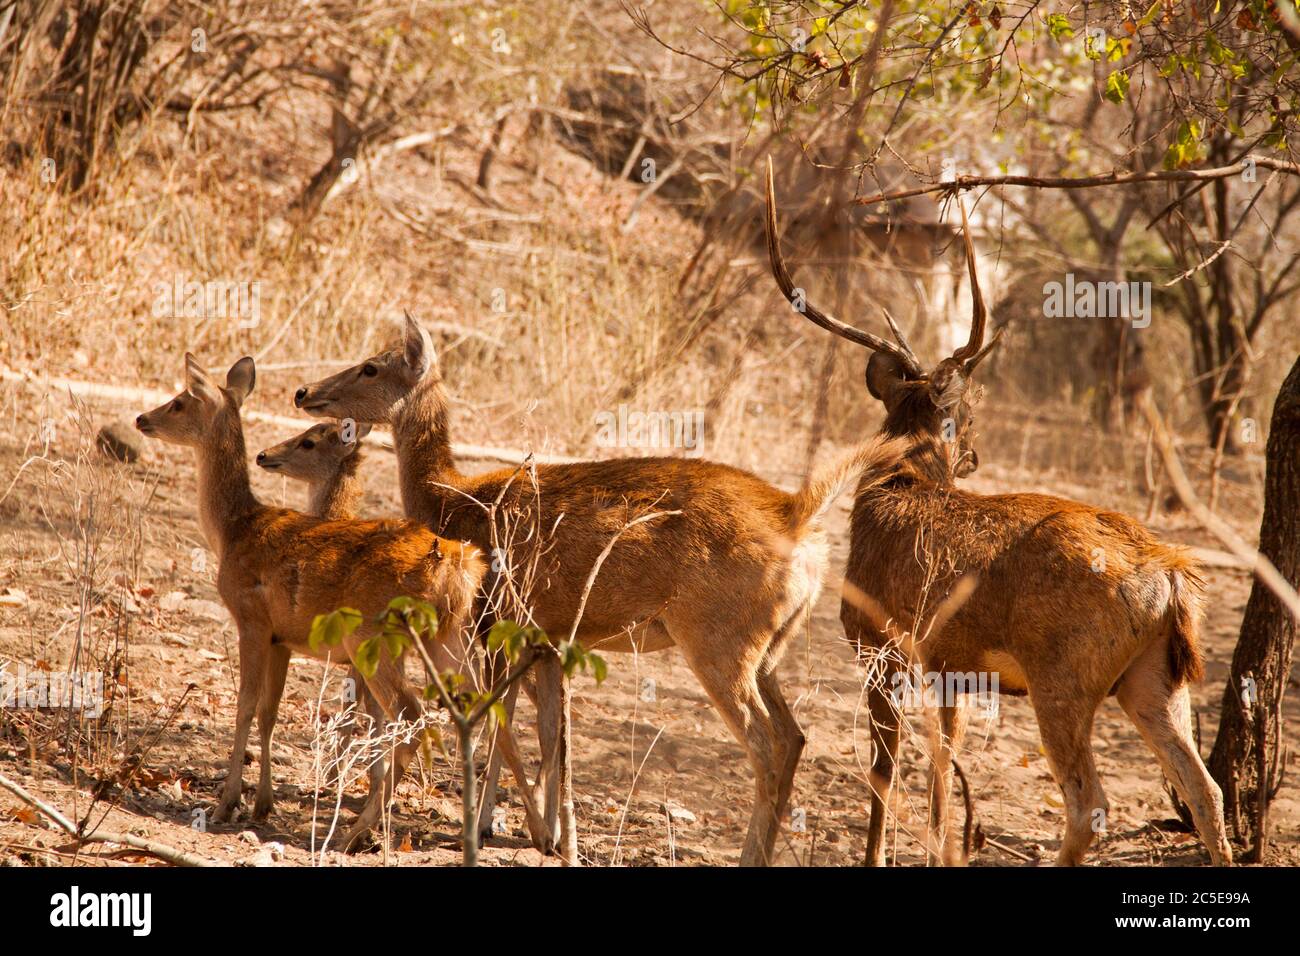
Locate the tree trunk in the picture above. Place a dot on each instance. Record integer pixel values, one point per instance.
(1245, 758)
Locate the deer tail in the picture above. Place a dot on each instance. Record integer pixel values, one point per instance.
(872, 463)
(1186, 664)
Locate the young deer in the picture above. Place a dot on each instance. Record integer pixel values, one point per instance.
(278, 569)
(727, 576)
(1062, 601)
(329, 465)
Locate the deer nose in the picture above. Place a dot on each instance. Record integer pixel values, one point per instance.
(140, 422)
(261, 457)
(298, 396)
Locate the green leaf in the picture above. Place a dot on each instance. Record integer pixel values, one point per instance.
(1058, 25)
(330, 629)
(599, 669)
(396, 642)
(1116, 86)
(413, 614)
(366, 657)
(502, 632)
(511, 638)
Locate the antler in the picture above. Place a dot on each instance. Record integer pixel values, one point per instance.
(826, 321)
(979, 314)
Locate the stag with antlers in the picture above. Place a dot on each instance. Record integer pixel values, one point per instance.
(1064, 602)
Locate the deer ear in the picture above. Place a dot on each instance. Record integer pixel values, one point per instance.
(359, 431)
(241, 378)
(198, 382)
(947, 384)
(418, 347)
(885, 372)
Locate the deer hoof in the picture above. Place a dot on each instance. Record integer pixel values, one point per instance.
(359, 840)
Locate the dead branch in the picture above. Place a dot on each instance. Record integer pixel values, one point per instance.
(1262, 567)
(1085, 182)
(375, 439)
(161, 850)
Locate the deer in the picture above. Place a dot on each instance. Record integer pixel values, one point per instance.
(326, 462)
(329, 465)
(727, 570)
(1062, 601)
(279, 569)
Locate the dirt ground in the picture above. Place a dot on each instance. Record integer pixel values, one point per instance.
(636, 758)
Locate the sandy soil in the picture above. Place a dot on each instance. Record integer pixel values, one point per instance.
(634, 756)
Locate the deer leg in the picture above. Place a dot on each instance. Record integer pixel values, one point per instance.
(1065, 724)
(527, 791)
(732, 684)
(568, 818)
(254, 647)
(1164, 719)
(277, 669)
(789, 736)
(885, 724)
(544, 833)
(494, 670)
(399, 702)
(379, 768)
(945, 849)
(748, 719)
(549, 691)
(347, 730)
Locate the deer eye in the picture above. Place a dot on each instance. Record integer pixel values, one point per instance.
(369, 370)
(176, 405)
(308, 444)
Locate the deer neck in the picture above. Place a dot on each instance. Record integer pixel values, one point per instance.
(337, 497)
(225, 495)
(423, 443)
(928, 457)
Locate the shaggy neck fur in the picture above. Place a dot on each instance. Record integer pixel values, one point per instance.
(912, 417)
(338, 496)
(225, 496)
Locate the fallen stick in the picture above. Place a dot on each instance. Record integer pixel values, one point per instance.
(160, 850)
(144, 396)
(1009, 851)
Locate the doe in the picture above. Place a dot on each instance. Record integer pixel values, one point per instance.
(278, 569)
